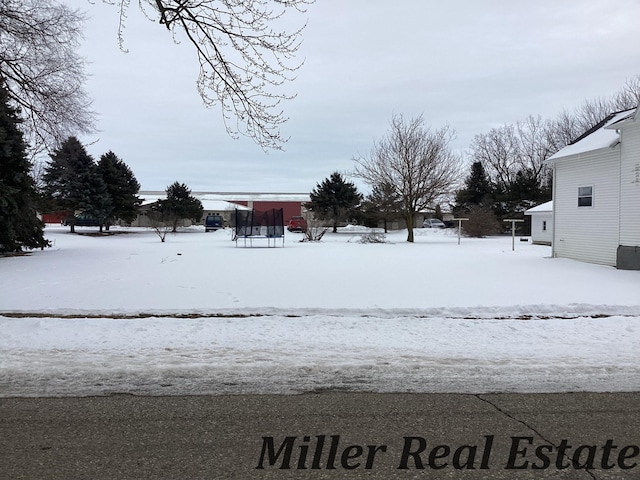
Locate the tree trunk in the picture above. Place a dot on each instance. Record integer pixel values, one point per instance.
(409, 218)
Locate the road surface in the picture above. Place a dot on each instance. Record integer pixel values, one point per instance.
(323, 435)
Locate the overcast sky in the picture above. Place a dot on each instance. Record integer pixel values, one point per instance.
(471, 64)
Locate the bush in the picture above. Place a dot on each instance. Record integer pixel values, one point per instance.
(314, 232)
(482, 222)
(373, 237)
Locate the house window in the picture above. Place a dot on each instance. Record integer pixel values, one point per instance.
(585, 196)
(544, 225)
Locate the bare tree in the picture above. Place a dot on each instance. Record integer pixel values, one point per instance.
(43, 73)
(569, 125)
(564, 129)
(591, 112)
(629, 96)
(417, 161)
(512, 150)
(160, 225)
(535, 147)
(497, 150)
(315, 230)
(244, 59)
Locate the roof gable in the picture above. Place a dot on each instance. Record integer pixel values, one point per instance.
(603, 135)
(546, 207)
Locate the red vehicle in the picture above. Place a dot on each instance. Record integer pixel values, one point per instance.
(297, 224)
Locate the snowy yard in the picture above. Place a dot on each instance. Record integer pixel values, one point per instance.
(126, 313)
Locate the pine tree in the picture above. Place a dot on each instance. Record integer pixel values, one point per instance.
(383, 203)
(122, 187)
(73, 183)
(477, 191)
(19, 225)
(479, 202)
(179, 204)
(335, 199)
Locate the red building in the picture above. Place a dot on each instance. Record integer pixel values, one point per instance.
(292, 204)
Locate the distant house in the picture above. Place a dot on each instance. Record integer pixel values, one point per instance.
(541, 223)
(596, 194)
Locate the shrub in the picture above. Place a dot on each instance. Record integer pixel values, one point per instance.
(373, 237)
(482, 222)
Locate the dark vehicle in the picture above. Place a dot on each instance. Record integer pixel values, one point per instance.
(84, 220)
(297, 224)
(213, 222)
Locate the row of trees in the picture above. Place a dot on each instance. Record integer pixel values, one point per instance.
(513, 155)
(108, 190)
(74, 182)
(409, 170)
(413, 169)
(508, 172)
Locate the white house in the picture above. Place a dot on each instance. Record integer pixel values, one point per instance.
(596, 194)
(541, 223)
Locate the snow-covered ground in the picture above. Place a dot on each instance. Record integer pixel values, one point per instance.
(198, 314)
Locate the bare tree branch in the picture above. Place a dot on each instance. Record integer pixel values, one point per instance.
(244, 60)
(43, 73)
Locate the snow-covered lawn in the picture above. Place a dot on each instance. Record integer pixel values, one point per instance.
(127, 313)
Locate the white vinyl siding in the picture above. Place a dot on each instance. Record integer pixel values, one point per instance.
(541, 231)
(588, 234)
(630, 185)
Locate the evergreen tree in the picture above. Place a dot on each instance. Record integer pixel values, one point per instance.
(334, 199)
(527, 191)
(384, 203)
(479, 201)
(122, 187)
(477, 190)
(19, 226)
(73, 183)
(179, 204)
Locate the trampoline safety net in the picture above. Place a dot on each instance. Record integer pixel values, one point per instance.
(252, 224)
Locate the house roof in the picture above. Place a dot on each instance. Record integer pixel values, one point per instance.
(603, 135)
(153, 195)
(546, 207)
(207, 204)
(222, 202)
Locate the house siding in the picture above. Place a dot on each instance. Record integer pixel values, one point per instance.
(630, 185)
(589, 234)
(540, 235)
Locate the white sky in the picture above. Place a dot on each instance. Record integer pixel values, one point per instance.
(471, 64)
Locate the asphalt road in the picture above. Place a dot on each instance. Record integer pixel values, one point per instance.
(324, 435)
